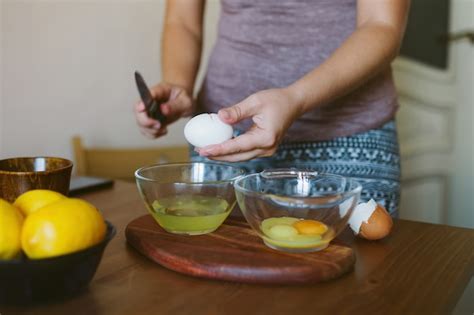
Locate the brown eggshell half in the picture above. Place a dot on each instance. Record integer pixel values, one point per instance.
(378, 226)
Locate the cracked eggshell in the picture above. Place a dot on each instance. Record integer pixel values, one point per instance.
(371, 221)
(207, 129)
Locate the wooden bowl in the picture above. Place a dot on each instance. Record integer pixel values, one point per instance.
(18, 175)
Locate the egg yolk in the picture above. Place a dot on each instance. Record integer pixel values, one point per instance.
(310, 227)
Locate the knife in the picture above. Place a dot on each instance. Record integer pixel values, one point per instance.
(152, 106)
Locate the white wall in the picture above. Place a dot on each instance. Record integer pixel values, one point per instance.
(68, 69)
(461, 211)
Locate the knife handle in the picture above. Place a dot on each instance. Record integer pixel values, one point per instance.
(154, 111)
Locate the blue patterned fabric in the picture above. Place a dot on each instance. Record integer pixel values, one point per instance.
(371, 157)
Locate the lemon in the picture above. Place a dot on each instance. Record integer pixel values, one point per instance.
(33, 200)
(62, 227)
(10, 230)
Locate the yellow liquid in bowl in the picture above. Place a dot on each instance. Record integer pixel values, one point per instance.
(190, 214)
(289, 239)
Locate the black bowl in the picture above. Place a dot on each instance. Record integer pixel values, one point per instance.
(25, 281)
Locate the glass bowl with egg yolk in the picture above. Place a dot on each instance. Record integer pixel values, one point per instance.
(296, 210)
(188, 198)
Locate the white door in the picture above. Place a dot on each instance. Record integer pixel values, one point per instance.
(435, 129)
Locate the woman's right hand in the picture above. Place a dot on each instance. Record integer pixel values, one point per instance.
(176, 103)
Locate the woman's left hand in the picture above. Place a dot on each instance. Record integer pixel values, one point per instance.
(272, 112)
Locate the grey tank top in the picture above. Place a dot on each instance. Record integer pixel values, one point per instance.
(266, 44)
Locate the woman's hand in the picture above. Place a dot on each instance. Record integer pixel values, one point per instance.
(177, 103)
(272, 112)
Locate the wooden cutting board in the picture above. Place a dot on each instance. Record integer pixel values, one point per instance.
(235, 253)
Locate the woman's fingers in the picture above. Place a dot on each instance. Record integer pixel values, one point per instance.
(176, 103)
(246, 142)
(161, 92)
(140, 107)
(150, 128)
(245, 109)
(242, 143)
(146, 122)
(271, 113)
(239, 157)
(162, 132)
(142, 117)
(153, 133)
(179, 105)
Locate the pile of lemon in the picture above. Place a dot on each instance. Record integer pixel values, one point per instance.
(44, 223)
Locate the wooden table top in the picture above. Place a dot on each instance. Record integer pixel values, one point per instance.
(420, 269)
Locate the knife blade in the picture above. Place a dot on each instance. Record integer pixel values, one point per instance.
(152, 106)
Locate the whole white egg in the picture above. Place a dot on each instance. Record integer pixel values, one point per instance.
(206, 129)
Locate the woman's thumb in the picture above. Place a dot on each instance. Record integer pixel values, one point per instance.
(236, 113)
(178, 105)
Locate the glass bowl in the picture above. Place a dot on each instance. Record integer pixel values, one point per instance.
(296, 210)
(188, 198)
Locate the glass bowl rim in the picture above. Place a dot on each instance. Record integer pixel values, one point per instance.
(344, 195)
(230, 180)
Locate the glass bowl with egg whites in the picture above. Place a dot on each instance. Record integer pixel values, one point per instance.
(188, 198)
(297, 210)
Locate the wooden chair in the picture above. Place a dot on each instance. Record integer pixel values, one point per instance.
(121, 163)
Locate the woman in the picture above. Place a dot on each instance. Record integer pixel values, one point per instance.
(306, 83)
